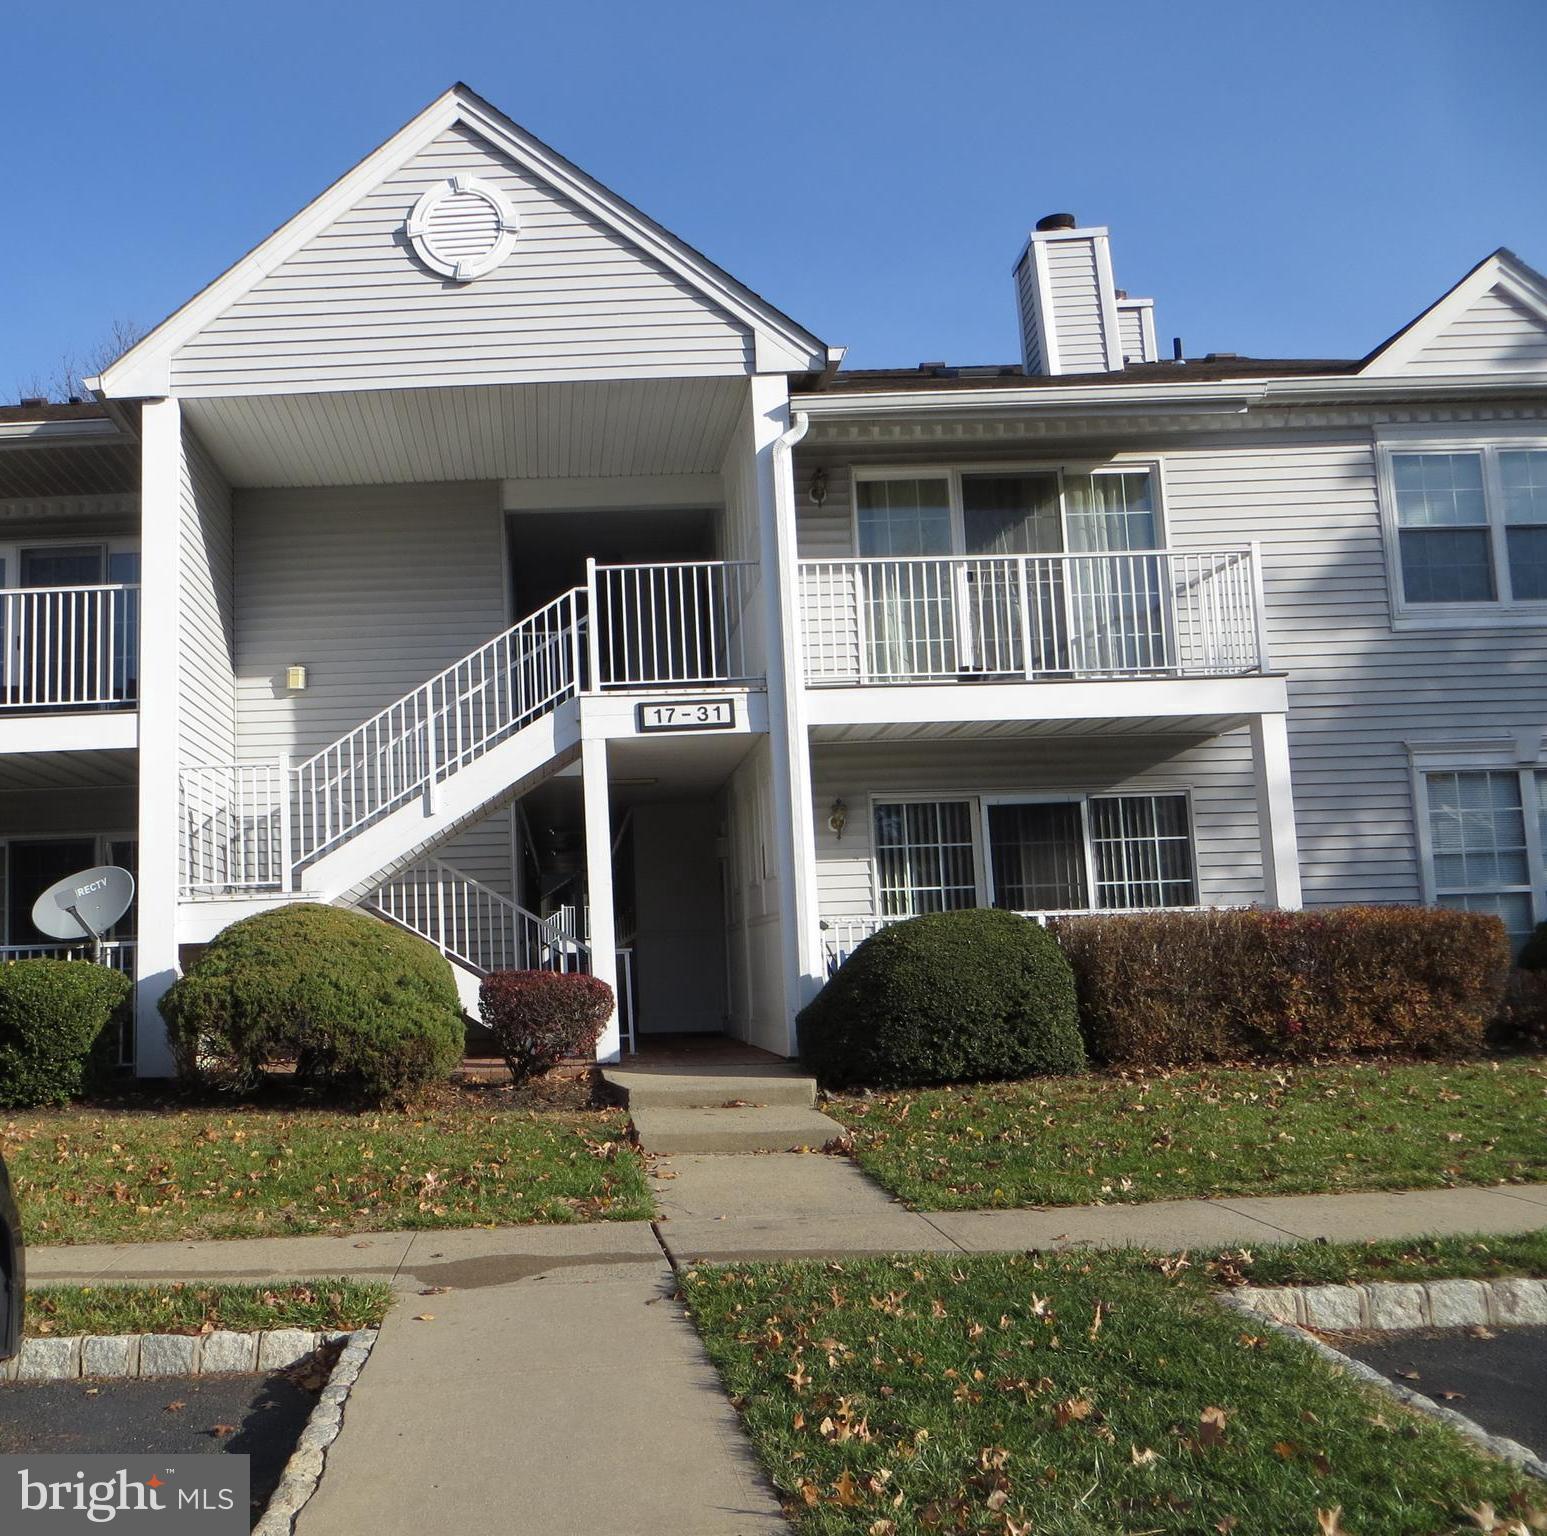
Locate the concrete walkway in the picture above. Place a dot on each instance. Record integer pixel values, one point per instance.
(718, 1208)
(557, 1386)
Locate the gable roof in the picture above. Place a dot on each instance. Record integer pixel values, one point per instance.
(1478, 326)
(781, 345)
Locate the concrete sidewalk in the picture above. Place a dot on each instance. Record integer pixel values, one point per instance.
(557, 1385)
(727, 1208)
(716, 1209)
(574, 1399)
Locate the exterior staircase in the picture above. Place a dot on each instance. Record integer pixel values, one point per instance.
(701, 1108)
(359, 822)
(479, 930)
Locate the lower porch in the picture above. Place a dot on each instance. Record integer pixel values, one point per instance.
(1048, 822)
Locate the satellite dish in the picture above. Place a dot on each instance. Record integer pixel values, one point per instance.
(86, 905)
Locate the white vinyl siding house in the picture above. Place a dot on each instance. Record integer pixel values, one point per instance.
(515, 574)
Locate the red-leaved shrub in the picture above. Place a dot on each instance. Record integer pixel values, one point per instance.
(539, 1017)
(1171, 988)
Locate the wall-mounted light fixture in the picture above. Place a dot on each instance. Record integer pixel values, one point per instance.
(295, 679)
(838, 818)
(817, 490)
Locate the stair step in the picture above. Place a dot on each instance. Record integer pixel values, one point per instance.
(772, 1086)
(768, 1129)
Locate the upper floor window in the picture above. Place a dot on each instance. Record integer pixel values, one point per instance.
(1007, 511)
(1470, 526)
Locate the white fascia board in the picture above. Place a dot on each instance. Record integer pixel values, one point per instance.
(89, 731)
(145, 370)
(1201, 397)
(50, 433)
(1210, 395)
(1116, 699)
(1500, 270)
(616, 713)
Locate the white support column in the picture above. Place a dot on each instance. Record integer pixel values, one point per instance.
(1275, 811)
(789, 742)
(159, 860)
(598, 859)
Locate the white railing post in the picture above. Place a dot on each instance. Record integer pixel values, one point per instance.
(1259, 605)
(1025, 598)
(286, 857)
(592, 683)
(431, 754)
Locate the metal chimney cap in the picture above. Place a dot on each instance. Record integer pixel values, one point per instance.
(1057, 221)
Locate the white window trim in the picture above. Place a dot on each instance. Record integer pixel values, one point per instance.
(953, 474)
(981, 800)
(1481, 759)
(1500, 612)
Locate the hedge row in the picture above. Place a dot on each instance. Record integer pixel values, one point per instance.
(965, 995)
(1172, 988)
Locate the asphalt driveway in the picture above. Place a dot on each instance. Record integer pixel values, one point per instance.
(1495, 1377)
(257, 1416)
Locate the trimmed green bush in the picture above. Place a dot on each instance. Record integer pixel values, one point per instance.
(952, 997)
(52, 1014)
(354, 1004)
(1164, 989)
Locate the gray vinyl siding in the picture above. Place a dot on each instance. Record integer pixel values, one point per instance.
(206, 678)
(1130, 334)
(1032, 354)
(1359, 690)
(374, 591)
(354, 308)
(1494, 334)
(1217, 773)
(825, 532)
(1075, 290)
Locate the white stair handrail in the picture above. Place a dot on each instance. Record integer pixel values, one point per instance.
(483, 930)
(442, 725)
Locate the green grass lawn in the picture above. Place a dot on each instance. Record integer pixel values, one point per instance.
(139, 1175)
(1231, 1131)
(67, 1310)
(1482, 1257)
(1081, 1394)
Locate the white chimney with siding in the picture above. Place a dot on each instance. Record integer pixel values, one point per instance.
(1073, 318)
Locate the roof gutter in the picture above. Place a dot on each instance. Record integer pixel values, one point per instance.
(1211, 397)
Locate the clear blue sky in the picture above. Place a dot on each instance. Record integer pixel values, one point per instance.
(1284, 179)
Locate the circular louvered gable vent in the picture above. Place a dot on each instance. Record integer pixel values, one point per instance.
(462, 228)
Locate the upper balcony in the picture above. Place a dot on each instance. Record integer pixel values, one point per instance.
(1133, 623)
(69, 667)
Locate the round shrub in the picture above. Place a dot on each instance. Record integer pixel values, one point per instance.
(540, 1017)
(953, 997)
(52, 1013)
(357, 1005)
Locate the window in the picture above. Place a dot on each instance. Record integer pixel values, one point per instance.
(1037, 855)
(925, 860)
(1120, 852)
(1470, 526)
(1486, 829)
(1142, 850)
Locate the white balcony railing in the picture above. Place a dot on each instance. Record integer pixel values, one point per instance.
(1167, 613)
(676, 624)
(841, 936)
(69, 647)
(234, 826)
